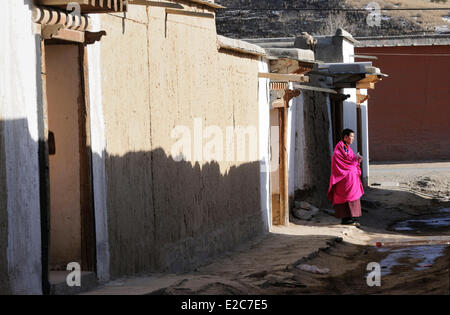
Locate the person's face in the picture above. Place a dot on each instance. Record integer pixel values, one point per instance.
(349, 139)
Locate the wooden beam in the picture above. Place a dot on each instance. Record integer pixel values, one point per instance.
(58, 32)
(284, 77)
(365, 85)
(370, 78)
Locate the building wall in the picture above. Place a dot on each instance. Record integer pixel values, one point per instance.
(349, 115)
(20, 235)
(161, 76)
(300, 168)
(408, 112)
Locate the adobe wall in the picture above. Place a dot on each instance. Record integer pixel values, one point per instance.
(157, 74)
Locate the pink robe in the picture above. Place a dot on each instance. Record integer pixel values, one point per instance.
(345, 179)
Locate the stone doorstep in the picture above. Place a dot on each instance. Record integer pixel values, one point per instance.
(58, 284)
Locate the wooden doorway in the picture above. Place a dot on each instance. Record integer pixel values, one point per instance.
(68, 209)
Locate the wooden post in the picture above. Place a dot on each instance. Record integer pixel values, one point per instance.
(284, 192)
(284, 170)
(44, 176)
(88, 243)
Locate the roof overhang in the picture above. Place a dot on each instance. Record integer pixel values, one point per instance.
(239, 46)
(361, 75)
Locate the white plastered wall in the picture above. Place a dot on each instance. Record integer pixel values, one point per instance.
(349, 105)
(264, 142)
(19, 61)
(365, 138)
(98, 145)
(299, 167)
(290, 145)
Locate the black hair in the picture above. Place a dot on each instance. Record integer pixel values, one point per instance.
(346, 132)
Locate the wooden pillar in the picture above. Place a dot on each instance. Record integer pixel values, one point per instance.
(284, 175)
(88, 243)
(44, 176)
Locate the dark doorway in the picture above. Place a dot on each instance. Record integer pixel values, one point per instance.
(68, 232)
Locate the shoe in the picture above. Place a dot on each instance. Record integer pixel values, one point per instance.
(347, 221)
(350, 221)
(355, 222)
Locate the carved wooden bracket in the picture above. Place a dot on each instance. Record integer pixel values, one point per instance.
(281, 98)
(290, 94)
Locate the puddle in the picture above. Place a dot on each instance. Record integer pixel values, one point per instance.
(425, 225)
(416, 257)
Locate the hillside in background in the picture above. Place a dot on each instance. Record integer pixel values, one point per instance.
(285, 18)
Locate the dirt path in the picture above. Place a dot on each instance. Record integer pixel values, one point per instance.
(410, 221)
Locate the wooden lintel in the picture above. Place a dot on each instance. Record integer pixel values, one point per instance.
(50, 31)
(58, 31)
(284, 77)
(70, 36)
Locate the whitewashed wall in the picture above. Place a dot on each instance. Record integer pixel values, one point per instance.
(98, 145)
(299, 168)
(365, 139)
(20, 78)
(264, 143)
(290, 145)
(349, 115)
(349, 107)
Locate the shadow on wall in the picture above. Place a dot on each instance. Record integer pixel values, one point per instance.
(163, 215)
(169, 216)
(4, 279)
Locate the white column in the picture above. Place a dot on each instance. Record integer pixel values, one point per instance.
(98, 146)
(20, 101)
(264, 143)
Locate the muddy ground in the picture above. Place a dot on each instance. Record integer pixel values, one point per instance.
(409, 222)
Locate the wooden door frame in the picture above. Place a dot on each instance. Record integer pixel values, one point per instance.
(88, 241)
(281, 214)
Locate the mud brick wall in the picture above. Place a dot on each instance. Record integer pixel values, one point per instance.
(158, 73)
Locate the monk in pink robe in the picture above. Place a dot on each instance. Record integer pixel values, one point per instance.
(346, 188)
